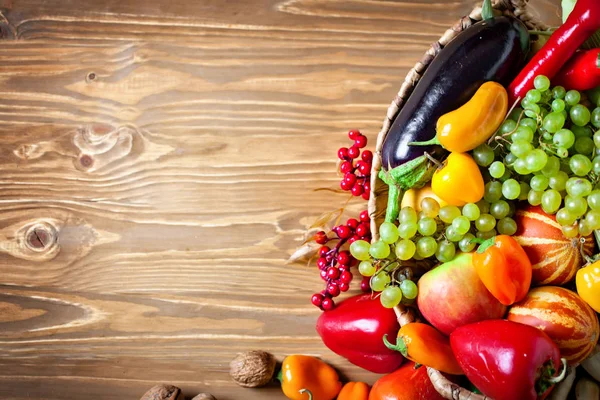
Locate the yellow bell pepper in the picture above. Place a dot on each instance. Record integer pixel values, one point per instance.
(588, 284)
(458, 181)
(308, 378)
(476, 121)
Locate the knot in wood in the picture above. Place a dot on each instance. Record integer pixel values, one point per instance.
(41, 237)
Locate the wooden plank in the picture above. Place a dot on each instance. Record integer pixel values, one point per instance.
(157, 167)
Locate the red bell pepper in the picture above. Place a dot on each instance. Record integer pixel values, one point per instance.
(582, 23)
(354, 329)
(582, 72)
(507, 360)
(407, 383)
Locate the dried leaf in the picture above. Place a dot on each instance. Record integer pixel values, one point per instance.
(326, 217)
(306, 251)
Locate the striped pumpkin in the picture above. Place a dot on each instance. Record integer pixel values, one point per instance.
(564, 316)
(554, 258)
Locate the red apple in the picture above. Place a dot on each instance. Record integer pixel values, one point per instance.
(452, 295)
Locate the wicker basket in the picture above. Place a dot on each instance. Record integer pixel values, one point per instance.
(379, 189)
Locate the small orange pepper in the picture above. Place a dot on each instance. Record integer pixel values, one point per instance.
(458, 181)
(588, 284)
(308, 378)
(354, 391)
(427, 346)
(504, 268)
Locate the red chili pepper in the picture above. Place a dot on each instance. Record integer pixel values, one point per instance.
(582, 23)
(582, 72)
(507, 360)
(354, 328)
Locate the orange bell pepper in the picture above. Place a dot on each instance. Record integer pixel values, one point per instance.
(425, 345)
(504, 268)
(354, 391)
(308, 378)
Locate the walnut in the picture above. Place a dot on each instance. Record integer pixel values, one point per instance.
(204, 396)
(253, 368)
(163, 392)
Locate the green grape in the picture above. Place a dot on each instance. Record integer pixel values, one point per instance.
(380, 249)
(507, 226)
(553, 122)
(379, 281)
(580, 115)
(570, 231)
(595, 118)
(552, 166)
(564, 138)
(426, 246)
(452, 234)
(366, 268)
(492, 191)
(515, 114)
(559, 92)
(534, 197)
(483, 155)
(572, 97)
(360, 250)
(578, 187)
(520, 167)
(551, 200)
(530, 123)
(593, 200)
(407, 215)
(536, 160)
(405, 249)
(508, 126)
(584, 145)
(507, 175)
(522, 133)
(547, 136)
(409, 289)
(539, 182)
(597, 139)
(500, 209)
(580, 131)
(430, 207)
(427, 226)
(542, 83)
(388, 232)
(576, 205)
(580, 165)
(585, 229)
(510, 159)
(445, 251)
(486, 235)
(485, 222)
(558, 105)
(558, 181)
(448, 213)
(511, 189)
(407, 230)
(521, 148)
(592, 217)
(532, 110)
(533, 95)
(484, 206)
(524, 191)
(462, 224)
(562, 152)
(471, 211)
(391, 296)
(564, 217)
(497, 169)
(465, 244)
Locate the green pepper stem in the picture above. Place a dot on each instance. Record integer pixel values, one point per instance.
(598, 61)
(556, 379)
(486, 244)
(308, 392)
(541, 33)
(429, 142)
(280, 376)
(400, 346)
(393, 205)
(487, 12)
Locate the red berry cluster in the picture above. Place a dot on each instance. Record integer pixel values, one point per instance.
(334, 263)
(357, 174)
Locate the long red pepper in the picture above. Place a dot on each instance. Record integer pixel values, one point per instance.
(583, 21)
(582, 72)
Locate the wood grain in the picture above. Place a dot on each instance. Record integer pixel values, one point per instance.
(158, 160)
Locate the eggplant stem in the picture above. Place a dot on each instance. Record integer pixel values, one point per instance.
(487, 12)
(541, 33)
(308, 392)
(429, 142)
(559, 378)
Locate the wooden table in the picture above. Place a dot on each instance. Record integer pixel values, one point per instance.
(158, 161)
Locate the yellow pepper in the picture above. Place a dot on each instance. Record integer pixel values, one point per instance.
(458, 181)
(308, 378)
(413, 197)
(476, 121)
(588, 284)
